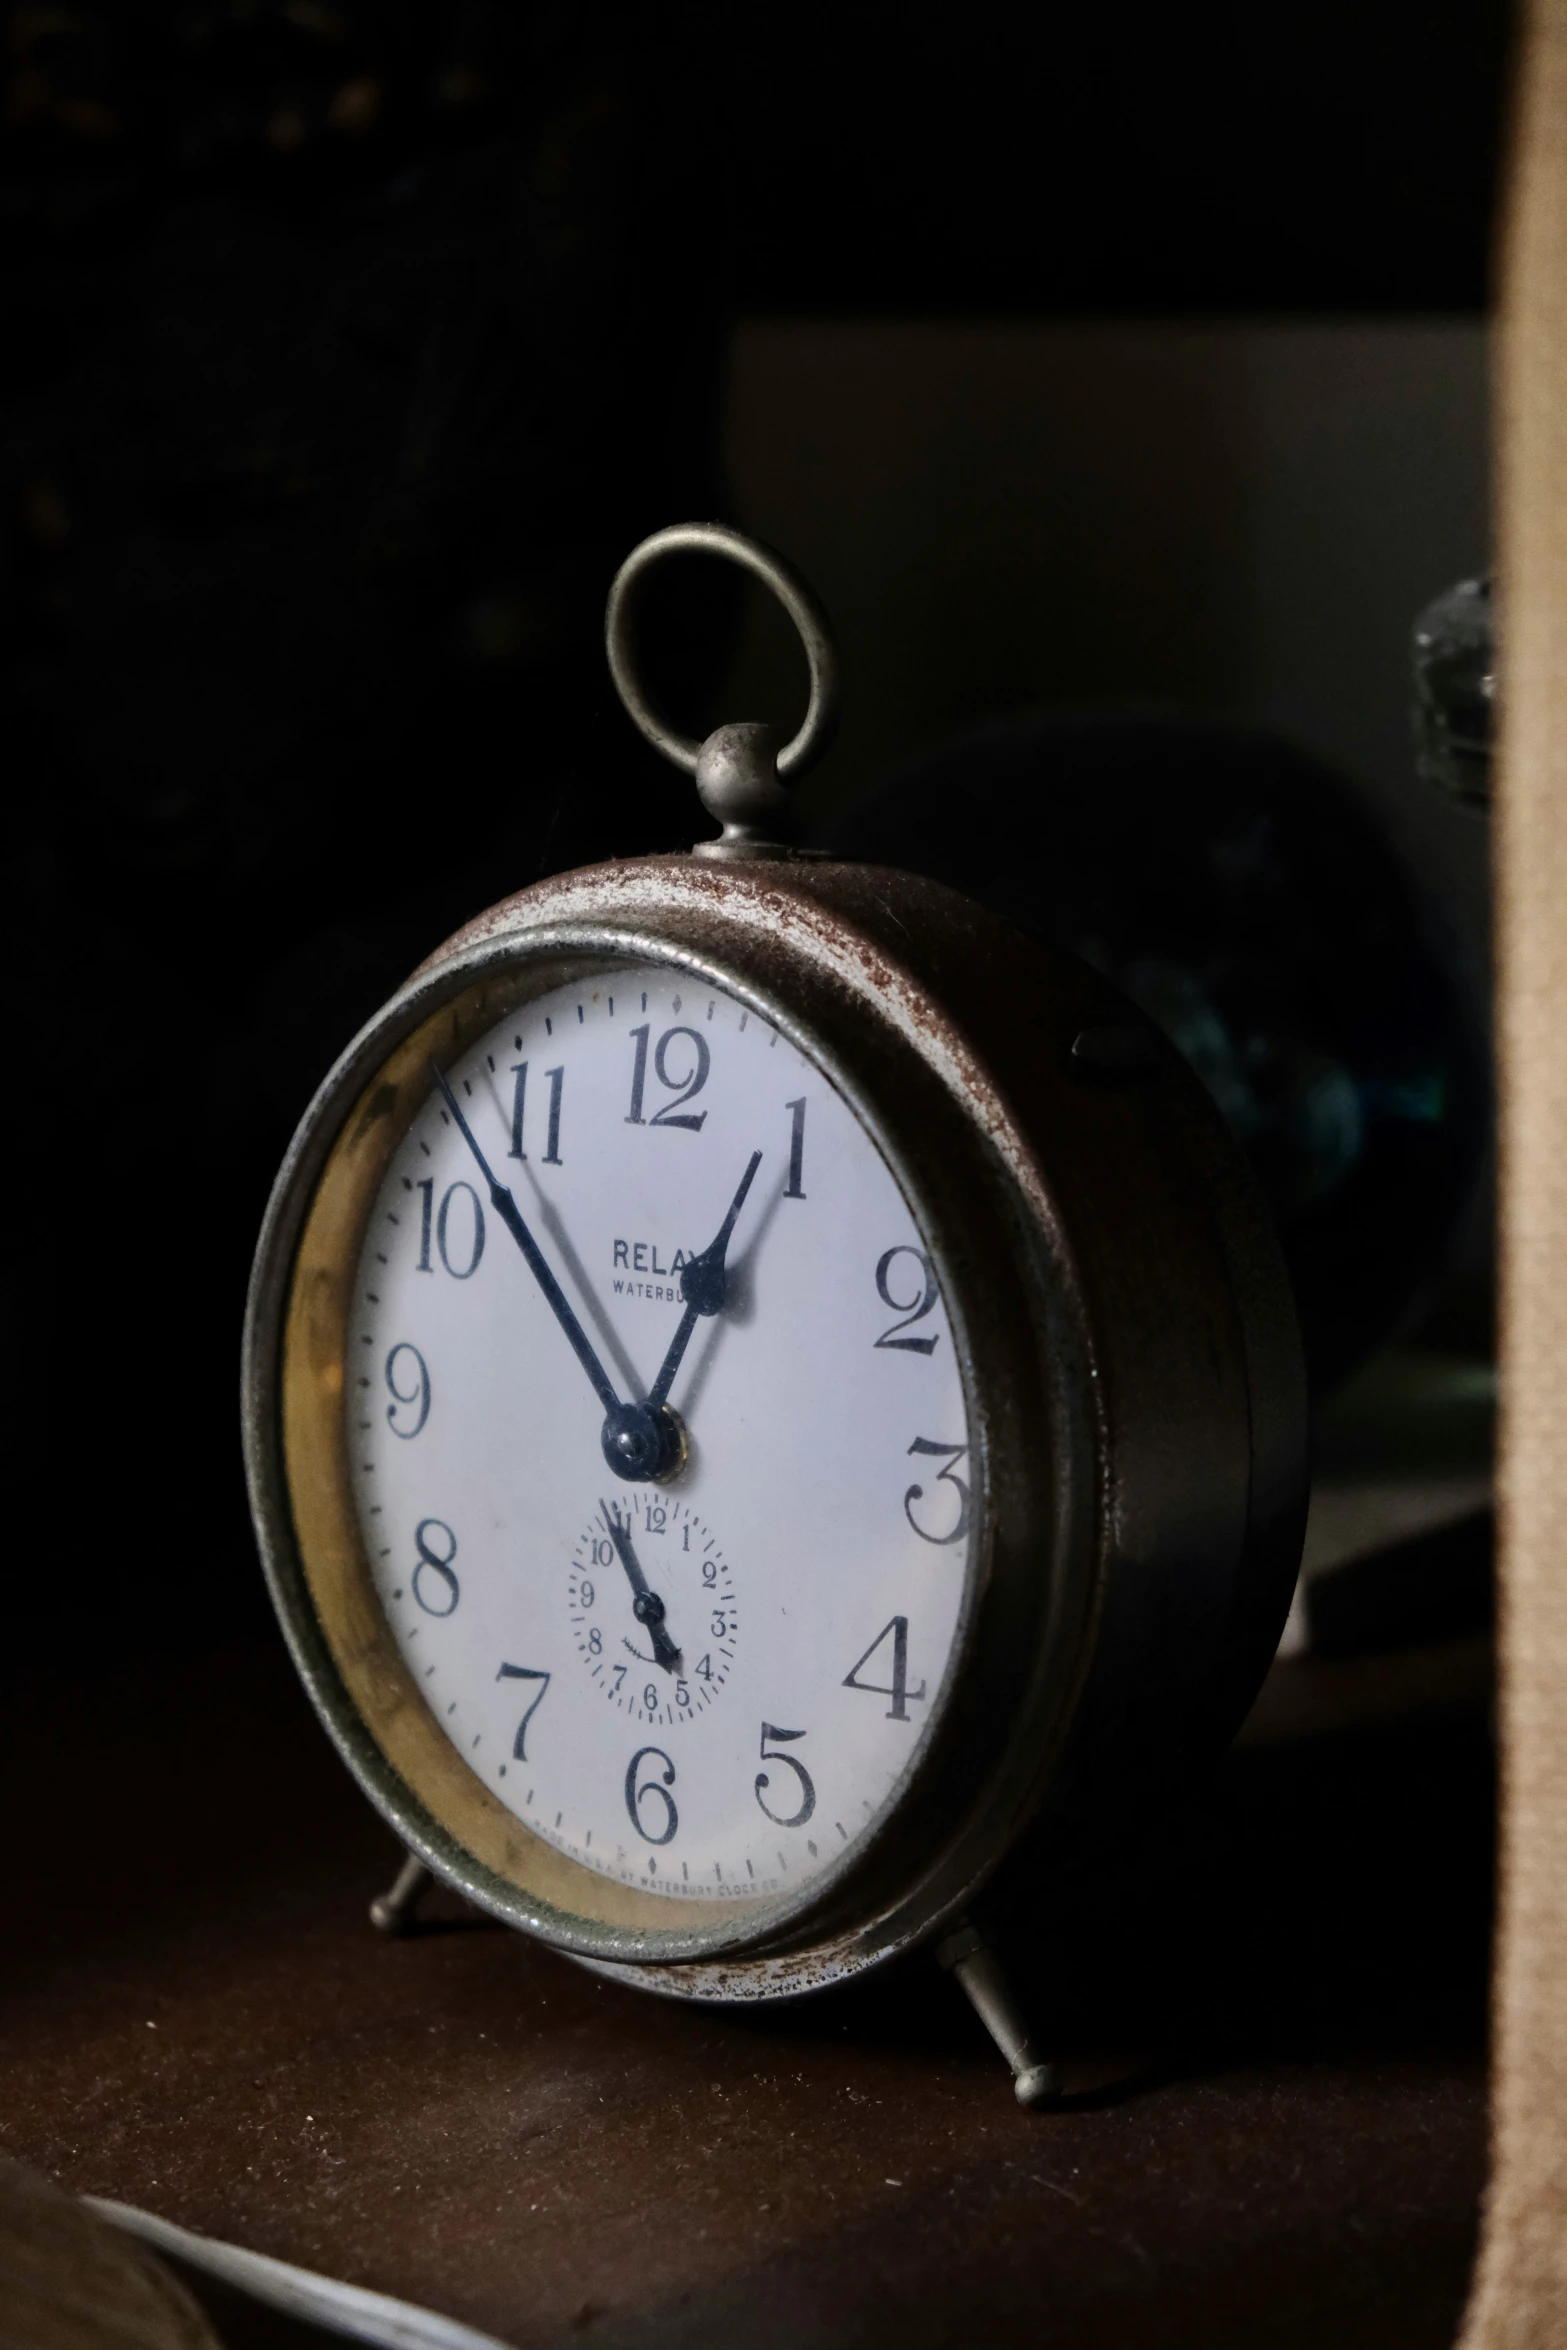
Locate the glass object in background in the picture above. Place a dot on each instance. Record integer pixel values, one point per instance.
(1455, 691)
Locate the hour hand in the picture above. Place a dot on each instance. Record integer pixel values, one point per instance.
(704, 1284)
(646, 1605)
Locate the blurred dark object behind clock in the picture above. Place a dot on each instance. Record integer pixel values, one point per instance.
(350, 347)
(1250, 901)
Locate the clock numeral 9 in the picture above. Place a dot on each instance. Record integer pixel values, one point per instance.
(684, 1089)
(913, 1309)
(650, 1791)
(434, 1562)
(940, 1452)
(898, 1687)
(807, 1790)
(418, 1394)
(442, 1220)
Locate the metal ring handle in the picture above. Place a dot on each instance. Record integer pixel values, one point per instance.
(821, 653)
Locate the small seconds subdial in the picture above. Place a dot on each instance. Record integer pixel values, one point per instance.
(651, 1602)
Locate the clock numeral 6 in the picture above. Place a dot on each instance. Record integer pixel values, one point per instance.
(650, 1791)
(519, 1745)
(940, 1452)
(418, 1394)
(437, 1563)
(807, 1804)
(913, 1309)
(898, 1687)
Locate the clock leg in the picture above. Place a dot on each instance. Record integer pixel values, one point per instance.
(393, 1912)
(969, 1956)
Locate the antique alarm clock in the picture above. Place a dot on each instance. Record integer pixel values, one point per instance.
(770, 1400)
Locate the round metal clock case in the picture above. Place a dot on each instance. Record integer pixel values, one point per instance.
(967, 1515)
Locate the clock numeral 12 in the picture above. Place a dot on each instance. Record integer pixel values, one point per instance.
(684, 1089)
(519, 1092)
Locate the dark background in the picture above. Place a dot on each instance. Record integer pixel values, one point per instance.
(347, 351)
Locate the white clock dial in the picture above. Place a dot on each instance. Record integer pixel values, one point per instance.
(716, 1684)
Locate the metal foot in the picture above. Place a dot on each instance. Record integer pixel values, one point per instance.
(969, 1956)
(393, 1913)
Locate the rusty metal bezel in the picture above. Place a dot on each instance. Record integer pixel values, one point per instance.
(964, 1802)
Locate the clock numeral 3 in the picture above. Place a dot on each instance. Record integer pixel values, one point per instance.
(913, 1309)
(519, 1745)
(940, 1452)
(650, 1791)
(445, 1236)
(434, 1562)
(418, 1394)
(684, 1089)
(898, 1687)
(770, 1753)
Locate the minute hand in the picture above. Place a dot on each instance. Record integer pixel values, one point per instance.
(703, 1284)
(555, 1297)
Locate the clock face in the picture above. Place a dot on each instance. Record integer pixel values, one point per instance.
(712, 1684)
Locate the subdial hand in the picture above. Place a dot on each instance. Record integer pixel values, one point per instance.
(704, 1284)
(646, 1605)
